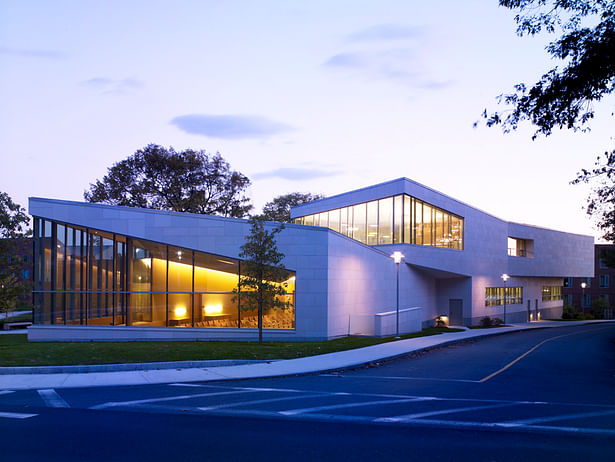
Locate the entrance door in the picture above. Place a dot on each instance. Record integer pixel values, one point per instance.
(455, 312)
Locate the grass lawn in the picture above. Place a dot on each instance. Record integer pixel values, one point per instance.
(15, 350)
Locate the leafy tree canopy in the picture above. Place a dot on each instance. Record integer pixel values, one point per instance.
(261, 283)
(563, 97)
(13, 227)
(162, 178)
(279, 208)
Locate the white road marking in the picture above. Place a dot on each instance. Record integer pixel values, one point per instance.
(52, 399)
(167, 398)
(6, 392)
(408, 417)
(261, 401)
(497, 426)
(348, 405)
(400, 378)
(562, 417)
(16, 415)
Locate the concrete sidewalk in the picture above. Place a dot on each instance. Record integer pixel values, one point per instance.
(182, 372)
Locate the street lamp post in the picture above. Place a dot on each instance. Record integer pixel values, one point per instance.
(583, 286)
(397, 256)
(505, 278)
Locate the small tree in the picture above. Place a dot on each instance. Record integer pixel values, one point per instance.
(13, 228)
(279, 208)
(261, 283)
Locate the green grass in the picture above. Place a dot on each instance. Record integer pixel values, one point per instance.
(15, 350)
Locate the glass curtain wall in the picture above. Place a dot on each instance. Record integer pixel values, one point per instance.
(89, 277)
(393, 220)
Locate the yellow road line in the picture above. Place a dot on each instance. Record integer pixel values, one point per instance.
(513, 362)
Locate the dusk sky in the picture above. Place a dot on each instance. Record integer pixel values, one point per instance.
(311, 96)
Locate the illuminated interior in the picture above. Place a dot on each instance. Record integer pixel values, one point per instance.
(89, 277)
(393, 220)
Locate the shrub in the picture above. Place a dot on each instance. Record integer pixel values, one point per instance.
(485, 322)
(598, 307)
(497, 322)
(569, 312)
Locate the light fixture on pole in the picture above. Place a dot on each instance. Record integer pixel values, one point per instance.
(397, 256)
(583, 286)
(505, 278)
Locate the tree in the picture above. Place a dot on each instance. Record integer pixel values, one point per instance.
(563, 98)
(601, 201)
(187, 181)
(13, 227)
(262, 279)
(279, 208)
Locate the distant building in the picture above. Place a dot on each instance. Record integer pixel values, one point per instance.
(106, 272)
(602, 285)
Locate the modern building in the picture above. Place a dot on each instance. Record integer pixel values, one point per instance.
(107, 272)
(601, 286)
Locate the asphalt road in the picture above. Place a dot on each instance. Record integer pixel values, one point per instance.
(534, 395)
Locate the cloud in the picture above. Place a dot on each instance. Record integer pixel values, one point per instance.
(403, 66)
(345, 60)
(387, 32)
(32, 53)
(229, 126)
(295, 173)
(111, 86)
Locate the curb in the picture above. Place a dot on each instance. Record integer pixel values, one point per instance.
(127, 366)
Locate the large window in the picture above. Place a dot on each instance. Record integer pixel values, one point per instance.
(393, 220)
(551, 293)
(85, 276)
(494, 296)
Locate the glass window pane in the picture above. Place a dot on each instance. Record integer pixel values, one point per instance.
(180, 270)
(385, 221)
(398, 218)
(427, 225)
(334, 220)
(107, 264)
(60, 250)
(215, 274)
(148, 267)
(180, 309)
(148, 309)
(372, 222)
(438, 228)
(359, 213)
(216, 310)
(323, 219)
(407, 219)
(308, 220)
(344, 228)
(418, 222)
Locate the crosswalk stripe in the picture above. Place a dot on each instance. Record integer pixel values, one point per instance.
(51, 398)
(16, 415)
